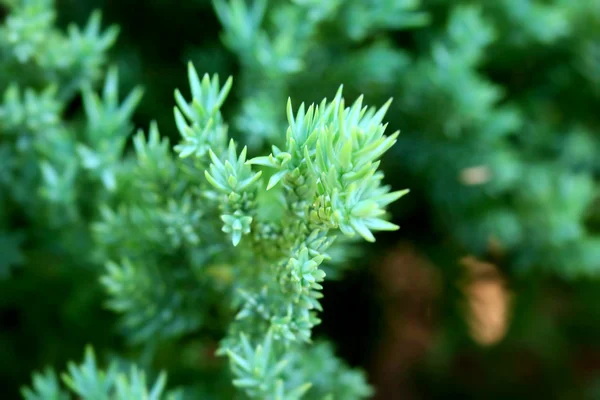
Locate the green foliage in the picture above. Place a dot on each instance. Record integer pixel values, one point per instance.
(224, 239)
(521, 199)
(170, 218)
(50, 157)
(30, 40)
(278, 43)
(458, 120)
(261, 376)
(87, 381)
(56, 166)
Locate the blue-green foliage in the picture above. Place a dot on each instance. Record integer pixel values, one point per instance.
(228, 233)
(88, 381)
(48, 159)
(57, 164)
(477, 148)
(190, 240)
(493, 154)
(188, 236)
(284, 44)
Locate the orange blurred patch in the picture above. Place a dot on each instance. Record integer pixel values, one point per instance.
(488, 301)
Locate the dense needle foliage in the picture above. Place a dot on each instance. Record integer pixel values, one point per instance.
(195, 255)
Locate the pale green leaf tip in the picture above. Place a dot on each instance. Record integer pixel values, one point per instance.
(274, 180)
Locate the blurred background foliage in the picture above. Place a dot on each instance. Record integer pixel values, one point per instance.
(490, 288)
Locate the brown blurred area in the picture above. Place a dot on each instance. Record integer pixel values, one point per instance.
(410, 288)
